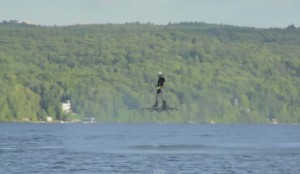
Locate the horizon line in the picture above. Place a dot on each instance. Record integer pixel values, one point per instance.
(14, 21)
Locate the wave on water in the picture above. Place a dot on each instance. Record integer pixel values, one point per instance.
(22, 149)
(176, 148)
(9, 149)
(169, 147)
(207, 149)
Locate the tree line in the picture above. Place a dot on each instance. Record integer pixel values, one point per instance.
(217, 73)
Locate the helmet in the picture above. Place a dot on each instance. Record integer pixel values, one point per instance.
(159, 73)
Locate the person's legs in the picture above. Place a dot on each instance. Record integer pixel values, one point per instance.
(160, 92)
(163, 99)
(156, 98)
(162, 96)
(156, 102)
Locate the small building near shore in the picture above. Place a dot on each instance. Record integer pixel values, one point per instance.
(49, 119)
(66, 107)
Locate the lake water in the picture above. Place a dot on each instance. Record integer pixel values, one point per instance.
(149, 149)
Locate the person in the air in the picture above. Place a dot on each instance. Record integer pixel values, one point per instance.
(160, 87)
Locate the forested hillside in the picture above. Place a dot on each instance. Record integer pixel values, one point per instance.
(213, 72)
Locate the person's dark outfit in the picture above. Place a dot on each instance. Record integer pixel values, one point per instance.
(160, 85)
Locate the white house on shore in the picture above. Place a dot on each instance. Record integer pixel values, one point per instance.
(49, 119)
(66, 107)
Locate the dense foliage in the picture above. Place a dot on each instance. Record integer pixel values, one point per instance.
(213, 72)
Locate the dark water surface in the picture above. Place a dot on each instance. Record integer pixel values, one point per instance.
(149, 148)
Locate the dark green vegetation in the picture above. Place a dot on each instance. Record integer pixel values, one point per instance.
(213, 72)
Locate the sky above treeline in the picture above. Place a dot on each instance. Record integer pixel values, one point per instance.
(250, 13)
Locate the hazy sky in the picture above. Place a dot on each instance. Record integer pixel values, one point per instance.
(257, 13)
